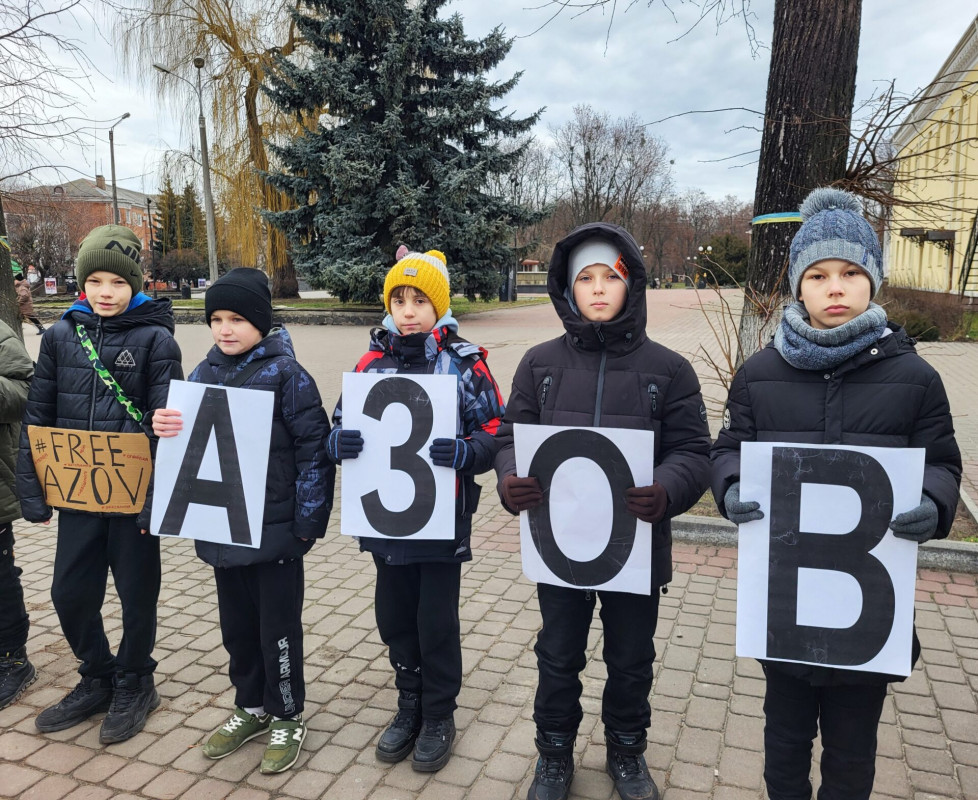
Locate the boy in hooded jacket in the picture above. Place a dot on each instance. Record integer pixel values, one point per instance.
(131, 336)
(418, 581)
(820, 381)
(604, 371)
(260, 590)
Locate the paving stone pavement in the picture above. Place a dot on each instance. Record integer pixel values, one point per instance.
(705, 740)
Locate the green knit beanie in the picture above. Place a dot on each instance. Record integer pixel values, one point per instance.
(111, 248)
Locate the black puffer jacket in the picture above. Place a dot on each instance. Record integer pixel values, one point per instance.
(299, 482)
(612, 375)
(480, 405)
(887, 396)
(137, 347)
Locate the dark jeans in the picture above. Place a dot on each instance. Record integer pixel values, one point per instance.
(261, 626)
(88, 546)
(13, 614)
(629, 622)
(848, 716)
(417, 617)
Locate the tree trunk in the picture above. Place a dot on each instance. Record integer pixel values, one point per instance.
(9, 308)
(810, 92)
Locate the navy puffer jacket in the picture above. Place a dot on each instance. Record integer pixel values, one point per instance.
(299, 483)
(612, 375)
(137, 347)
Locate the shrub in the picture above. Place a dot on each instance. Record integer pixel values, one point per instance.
(927, 316)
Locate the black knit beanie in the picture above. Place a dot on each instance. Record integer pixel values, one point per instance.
(243, 291)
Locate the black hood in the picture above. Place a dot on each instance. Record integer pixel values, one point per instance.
(627, 330)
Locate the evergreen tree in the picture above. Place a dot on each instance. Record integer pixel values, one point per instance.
(167, 236)
(193, 227)
(408, 151)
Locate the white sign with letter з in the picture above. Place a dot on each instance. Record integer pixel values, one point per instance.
(210, 478)
(392, 490)
(821, 579)
(582, 536)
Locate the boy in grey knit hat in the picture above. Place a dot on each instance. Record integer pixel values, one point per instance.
(820, 382)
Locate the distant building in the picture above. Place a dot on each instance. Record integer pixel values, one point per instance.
(932, 245)
(68, 211)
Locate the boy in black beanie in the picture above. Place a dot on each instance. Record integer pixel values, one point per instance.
(259, 591)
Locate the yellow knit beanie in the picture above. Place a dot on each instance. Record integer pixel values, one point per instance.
(426, 272)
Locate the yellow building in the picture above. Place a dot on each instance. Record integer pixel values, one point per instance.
(932, 241)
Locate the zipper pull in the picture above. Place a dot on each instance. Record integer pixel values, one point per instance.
(599, 334)
(544, 389)
(653, 396)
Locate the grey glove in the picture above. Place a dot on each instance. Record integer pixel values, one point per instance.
(737, 511)
(918, 524)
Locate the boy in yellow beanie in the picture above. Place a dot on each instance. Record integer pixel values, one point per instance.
(417, 589)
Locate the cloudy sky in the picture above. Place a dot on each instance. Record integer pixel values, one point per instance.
(645, 65)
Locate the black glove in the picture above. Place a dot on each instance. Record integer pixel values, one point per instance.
(454, 453)
(343, 444)
(648, 503)
(740, 512)
(521, 494)
(918, 524)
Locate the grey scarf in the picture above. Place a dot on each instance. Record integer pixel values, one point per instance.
(805, 347)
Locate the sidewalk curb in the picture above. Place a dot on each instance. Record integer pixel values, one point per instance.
(716, 532)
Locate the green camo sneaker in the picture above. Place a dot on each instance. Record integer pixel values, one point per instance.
(284, 745)
(241, 727)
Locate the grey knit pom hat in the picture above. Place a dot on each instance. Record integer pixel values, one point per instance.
(833, 226)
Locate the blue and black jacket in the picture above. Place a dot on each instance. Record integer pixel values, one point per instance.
(299, 484)
(441, 351)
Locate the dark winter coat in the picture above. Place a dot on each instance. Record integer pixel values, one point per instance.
(25, 300)
(16, 370)
(299, 482)
(612, 375)
(887, 396)
(137, 347)
(480, 405)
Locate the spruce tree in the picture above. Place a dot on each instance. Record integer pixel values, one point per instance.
(193, 227)
(167, 236)
(407, 150)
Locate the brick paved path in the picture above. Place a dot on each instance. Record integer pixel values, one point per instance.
(707, 722)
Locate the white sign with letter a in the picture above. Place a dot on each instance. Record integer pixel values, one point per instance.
(582, 535)
(210, 478)
(821, 579)
(392, 490)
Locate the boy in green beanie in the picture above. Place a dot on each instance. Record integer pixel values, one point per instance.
(106, 365)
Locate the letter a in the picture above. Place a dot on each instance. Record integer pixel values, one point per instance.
(227, 493)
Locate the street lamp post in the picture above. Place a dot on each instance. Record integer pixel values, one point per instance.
(205, 166)
(152, 245)
(115, 196)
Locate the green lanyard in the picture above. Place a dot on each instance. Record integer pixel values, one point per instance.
(105, 375)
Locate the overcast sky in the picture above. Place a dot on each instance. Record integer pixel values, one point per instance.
(646, 67)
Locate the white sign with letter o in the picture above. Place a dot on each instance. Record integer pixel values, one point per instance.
(582, 535)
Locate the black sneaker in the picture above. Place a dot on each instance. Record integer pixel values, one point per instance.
(132, 699)
(89, 697)
(16, 674)
(555, 767)
(433, 747)
(398, 740)
(627, 767)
